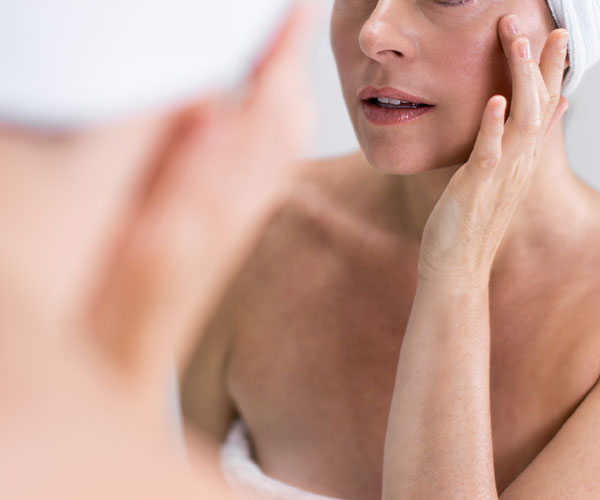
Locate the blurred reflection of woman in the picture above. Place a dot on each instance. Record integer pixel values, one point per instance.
(299, 368)
(122, 174)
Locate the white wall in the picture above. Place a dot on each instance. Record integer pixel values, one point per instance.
(336, 136)
(583, 129)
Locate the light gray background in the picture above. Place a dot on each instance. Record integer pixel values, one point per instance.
(335, 134)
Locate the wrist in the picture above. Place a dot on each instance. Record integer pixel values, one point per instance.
(447, 298)
(449, 290)
(457, 282)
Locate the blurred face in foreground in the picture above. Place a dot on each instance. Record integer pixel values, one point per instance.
(62, 195)
(116, 242)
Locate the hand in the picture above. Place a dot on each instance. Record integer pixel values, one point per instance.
(204, 209)
(466, 227)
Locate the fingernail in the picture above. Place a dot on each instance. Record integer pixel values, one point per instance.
(563, 42)
(525, 50)
(513, 25)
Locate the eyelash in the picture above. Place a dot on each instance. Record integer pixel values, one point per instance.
(455, 4)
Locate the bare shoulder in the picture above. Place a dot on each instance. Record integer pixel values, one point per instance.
(327, 211)
(297, 230)
(324, 217)
(577, 294)
(293, 228)
(281, 263)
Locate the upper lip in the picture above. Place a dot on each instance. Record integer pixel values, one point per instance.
(371, 92)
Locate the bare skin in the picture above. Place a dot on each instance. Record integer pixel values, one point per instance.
(309, 360)
(330, 325)
(102, 228)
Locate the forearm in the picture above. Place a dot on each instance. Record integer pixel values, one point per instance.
(439, 443)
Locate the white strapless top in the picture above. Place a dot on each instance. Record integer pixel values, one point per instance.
(243, 473)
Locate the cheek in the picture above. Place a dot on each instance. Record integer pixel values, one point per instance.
(473, 66)
(345, 30)
(470, 72)
(464, 71)
(342, 45)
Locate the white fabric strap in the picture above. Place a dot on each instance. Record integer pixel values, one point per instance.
(69, 63)
(582, 19)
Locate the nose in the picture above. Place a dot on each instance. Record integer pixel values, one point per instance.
(387, 34)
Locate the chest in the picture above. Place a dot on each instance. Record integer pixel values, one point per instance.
(314, 370)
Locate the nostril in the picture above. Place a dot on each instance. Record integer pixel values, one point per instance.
(368, 38)
(379, 41)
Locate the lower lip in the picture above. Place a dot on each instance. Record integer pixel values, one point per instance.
(387, 116)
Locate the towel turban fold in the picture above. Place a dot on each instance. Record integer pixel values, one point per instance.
(582, 19)
(71, 63)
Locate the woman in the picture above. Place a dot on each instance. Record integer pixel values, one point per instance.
(106, 213)
(305, 348)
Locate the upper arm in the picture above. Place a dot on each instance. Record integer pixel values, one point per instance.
(205, 400)
(568, 468)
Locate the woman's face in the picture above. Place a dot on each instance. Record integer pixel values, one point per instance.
(447, 52)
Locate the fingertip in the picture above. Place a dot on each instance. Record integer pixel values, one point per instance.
(303, 17)
(291, 38)
(311, 11)
(498, 104)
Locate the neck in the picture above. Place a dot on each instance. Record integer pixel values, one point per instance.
(555, 207)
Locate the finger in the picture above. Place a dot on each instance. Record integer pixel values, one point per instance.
(487, 152)
(160, 288)
(283, 74)
(552, 63)
(559, 113)
(286, 124)
(291, 37)
(278, 74)
(524, 133)
(525, 120)
(145, 305)
(522, 126)
(509, 30)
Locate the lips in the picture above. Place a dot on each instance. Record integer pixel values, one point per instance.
(388, 106)
(391, 95)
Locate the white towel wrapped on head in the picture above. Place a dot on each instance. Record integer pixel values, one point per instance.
(581, 18)
(70, 63)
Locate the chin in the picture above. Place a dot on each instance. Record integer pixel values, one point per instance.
(394, 159)
(392, 156)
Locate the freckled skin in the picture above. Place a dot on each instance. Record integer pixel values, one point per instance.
(450, 56)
